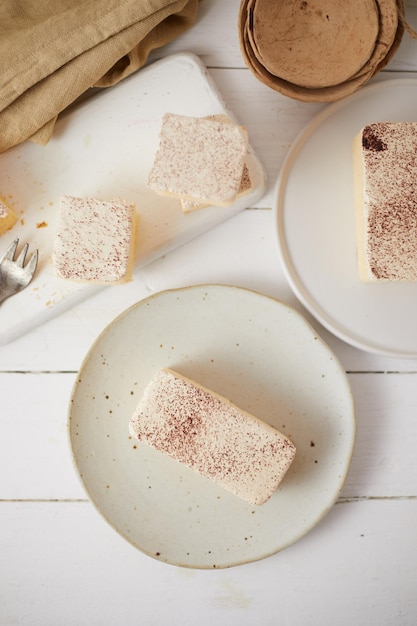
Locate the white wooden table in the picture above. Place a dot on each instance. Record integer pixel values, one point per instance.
(62, 564)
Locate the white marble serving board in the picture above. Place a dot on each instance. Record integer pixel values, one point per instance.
(104, 147)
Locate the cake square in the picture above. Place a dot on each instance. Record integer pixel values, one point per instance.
(8, 217)
(94, 240)
(245, 182)
(199, 159)
(385, 187)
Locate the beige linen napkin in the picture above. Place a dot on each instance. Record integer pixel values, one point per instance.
(52, 51)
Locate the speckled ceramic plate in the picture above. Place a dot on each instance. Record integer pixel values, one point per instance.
(263, 356)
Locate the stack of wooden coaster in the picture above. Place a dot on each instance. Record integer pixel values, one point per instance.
(319, 50)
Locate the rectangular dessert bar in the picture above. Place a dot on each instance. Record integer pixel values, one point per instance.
(385, 186)
(199, 159)
(211, 435)
(94, 240)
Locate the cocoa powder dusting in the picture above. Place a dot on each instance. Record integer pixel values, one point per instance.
(371, 140)
(212, 436)
(390, 192)
(94, 239)
(199, 159)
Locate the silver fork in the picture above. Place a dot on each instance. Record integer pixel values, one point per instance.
(14, 274)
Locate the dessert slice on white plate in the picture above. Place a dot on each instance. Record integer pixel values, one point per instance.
(385, 174)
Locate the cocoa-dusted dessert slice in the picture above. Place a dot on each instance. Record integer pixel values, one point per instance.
(94, 240)
(199, 159)
(212, 436)
(385, 175)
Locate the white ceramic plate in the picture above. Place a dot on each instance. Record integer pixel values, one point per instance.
(257, 352)
(315, 223)
(104, 147)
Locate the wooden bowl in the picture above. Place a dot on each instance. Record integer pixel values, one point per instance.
(315, 55)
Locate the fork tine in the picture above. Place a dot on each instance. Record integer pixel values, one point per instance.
(22, 256)
(14, 275)
(11, 250)
(33, 262)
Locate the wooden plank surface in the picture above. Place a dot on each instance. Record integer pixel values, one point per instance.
(69, 567)
(62, 564)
